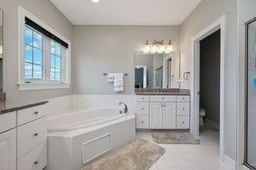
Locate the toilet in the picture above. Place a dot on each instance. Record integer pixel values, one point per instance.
(202, 114)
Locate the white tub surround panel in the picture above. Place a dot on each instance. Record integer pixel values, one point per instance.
(162, 112)
(70, 150)
(90, 126)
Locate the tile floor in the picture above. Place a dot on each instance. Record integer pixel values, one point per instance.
(189, 157)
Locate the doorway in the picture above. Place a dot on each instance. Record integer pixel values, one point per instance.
(209, 87)
(219, 24)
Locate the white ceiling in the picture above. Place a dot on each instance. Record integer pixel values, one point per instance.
(126, 12)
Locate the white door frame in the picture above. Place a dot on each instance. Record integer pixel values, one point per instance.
(219, 24)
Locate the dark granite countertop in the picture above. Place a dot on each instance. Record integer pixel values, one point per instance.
(162, 91)
(6, 107)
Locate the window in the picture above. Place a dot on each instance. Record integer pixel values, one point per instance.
(33, 43)
(56, 61)
(44, 56)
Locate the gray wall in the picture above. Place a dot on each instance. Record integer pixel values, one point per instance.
(44, 10)
(206, 13)
(1, 61)
(210, 76)
(99, 49)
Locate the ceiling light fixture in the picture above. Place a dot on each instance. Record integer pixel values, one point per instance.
(158, 47)
(95, 1)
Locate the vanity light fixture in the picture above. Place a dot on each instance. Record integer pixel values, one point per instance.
(158, 47)
(1, 51)
(95, 1)
(147, 47)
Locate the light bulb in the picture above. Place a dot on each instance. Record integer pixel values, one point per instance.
(161, 49)
(146, 48)
(154, 49)
(169, 49)
(1, 49)
(95, 1)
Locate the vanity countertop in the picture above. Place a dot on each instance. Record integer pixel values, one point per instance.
(162, 92)
(6, 107)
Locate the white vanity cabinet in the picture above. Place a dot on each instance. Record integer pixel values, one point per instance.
(162, 112)
(162, 115)
(183, 112)
(31, 139)
(8, 150)
(142, 112)
(8, 141)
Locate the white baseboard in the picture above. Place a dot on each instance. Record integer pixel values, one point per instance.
(230, 162)
(212, 123)
(245, 168)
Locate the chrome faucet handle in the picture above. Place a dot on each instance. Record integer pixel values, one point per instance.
(125, 107)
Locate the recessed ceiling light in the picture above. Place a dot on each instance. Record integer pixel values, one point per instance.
(95, 1)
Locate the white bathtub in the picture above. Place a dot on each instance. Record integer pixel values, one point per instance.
(84, 119)
(79, 135)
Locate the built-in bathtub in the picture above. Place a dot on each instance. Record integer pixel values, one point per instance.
(78, 135)
(84, 119)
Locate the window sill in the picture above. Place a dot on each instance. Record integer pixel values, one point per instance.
(41, 86)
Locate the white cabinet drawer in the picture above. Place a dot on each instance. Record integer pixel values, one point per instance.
(142, 108)
(34, 160)
(163, 98)
(30, 114)
(142, 98)
(142, 122)
(182, 98)
(183, 109)
(31, 135)
(182, 122)
(7, 121)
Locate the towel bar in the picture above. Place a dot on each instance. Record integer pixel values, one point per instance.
(105, 74)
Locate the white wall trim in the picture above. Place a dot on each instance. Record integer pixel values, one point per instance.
(230, 162)
(26, 87)
(245, 168)
(220, 23)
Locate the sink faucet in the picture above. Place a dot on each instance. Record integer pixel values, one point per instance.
(125, 108)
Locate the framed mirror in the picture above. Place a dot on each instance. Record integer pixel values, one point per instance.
(250, 95)
(156, 70)
(1, 50)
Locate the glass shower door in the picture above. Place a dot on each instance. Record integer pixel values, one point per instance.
(250, 129)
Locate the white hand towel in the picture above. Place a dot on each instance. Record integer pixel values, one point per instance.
(111, 77)
(119, 82)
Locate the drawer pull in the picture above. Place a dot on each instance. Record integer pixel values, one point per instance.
(142, 121)
(142, 98)
(183, 122)
(162, 98)
(36, 134)
(36, 162)
(183, 108)
(36, 113)
(183, 98)
(142, 108)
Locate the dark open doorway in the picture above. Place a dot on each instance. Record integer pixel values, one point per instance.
(210, 83)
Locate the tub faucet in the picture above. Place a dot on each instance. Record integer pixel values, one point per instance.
(125, 108)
